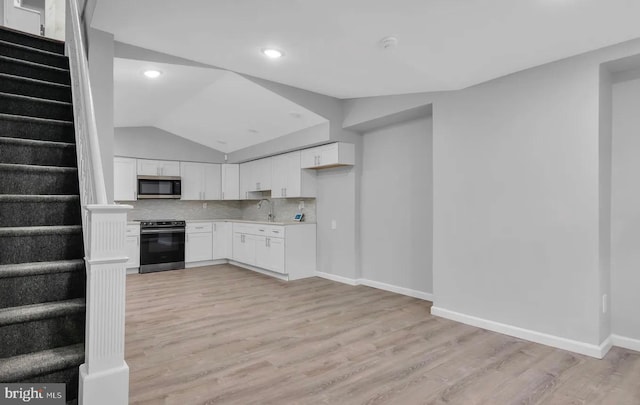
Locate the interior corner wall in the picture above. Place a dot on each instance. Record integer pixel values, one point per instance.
(101, 73)
(155, 143)
(396, 209)
(605, 167)
(338, 250)
(625, 218)
(516, 213)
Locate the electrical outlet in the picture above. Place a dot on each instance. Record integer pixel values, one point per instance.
(204, 205)
(334, 224)
(301, 205)
(604, 303)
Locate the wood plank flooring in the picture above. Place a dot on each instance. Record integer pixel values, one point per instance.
(225, 335)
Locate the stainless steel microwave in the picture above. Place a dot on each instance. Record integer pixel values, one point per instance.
(150, 187)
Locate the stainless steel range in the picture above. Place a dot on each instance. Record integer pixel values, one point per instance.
(161, 245)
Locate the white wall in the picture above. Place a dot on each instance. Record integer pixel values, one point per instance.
(396, 205)
(155, 143)
(625, 222)
(516, 191)
(101, 73)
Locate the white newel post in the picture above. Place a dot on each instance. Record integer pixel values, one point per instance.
(104, 377)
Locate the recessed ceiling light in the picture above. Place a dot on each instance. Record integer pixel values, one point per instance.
(388, 42)
(253, 131)
(273, 53)
(294, 114)
(152, 74)
(221, 142)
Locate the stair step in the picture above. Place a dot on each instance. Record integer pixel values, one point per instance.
(33, 41)
(39, 282)
(35, 107)
(30, 54)
(33, 328)
(17, 126)
(33, 180)
(28, 367)
(40, 244)
(38, 312)
(35, 152)
(25, 86)
(19, 67)
(39, 210)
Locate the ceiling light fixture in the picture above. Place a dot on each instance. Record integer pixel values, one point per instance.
(294, 114)
(253, 131)
(273, 53)
(152, 74)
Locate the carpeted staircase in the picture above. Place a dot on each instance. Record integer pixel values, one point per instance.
(42, 273)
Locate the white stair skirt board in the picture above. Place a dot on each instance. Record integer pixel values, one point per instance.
(597, 351)
(376, 284)
(625, 342)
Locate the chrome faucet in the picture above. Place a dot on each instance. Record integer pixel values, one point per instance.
(270, 217)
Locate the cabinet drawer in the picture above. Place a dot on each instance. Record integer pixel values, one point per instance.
(199, 227)
(133, 230)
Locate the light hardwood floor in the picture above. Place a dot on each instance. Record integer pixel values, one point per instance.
(225, 335)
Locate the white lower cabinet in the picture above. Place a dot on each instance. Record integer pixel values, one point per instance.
(285, 249)
(133, 246)
(198, 242)
(222, 240)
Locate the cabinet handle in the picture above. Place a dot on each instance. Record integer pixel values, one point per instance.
(285, 191)
(214, 227)
(246, 195)
(223, 195)
(275, 231)
(267, 242)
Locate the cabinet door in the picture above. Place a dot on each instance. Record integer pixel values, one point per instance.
(308, 158)
(148, 167)
(287, 175)
(124, 179)
(222, 240)
(133, 251)
(198, 247)
(247, 182)
(211, 189)
(262, 174)
(275, 255)
(230, 182)
(328, 155)
(169, 168)
(244, 248)
(192, 181)
(262, 252)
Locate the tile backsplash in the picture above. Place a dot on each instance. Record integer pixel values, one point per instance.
(284, 209)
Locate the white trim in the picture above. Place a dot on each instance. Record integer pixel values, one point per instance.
(133, 270)
(597, 351)
(395, 289)
(626, 342)
(204, 263)
(284, 277)
(376, 284)
(339, 279)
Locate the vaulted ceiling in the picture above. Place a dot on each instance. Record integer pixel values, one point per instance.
(332, 46)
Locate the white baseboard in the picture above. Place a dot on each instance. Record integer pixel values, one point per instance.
(133, 270)
(625, 342)
(597, 351)
(261, 271)
(376, 284)
(205, 263)
(339, 279)
(395, 289)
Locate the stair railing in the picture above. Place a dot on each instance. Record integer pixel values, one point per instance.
(104, 376)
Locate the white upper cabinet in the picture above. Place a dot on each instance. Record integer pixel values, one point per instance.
(230, 182)
(158, 168)
(289, 180)
(200, 181)
(331, 155)
(255, 176)
(124, 179)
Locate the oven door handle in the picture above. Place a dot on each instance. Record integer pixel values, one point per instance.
(166, 230)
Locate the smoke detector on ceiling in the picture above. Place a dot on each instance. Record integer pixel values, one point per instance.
(388, 42)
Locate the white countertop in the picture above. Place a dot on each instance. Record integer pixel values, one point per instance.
(237, 220)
